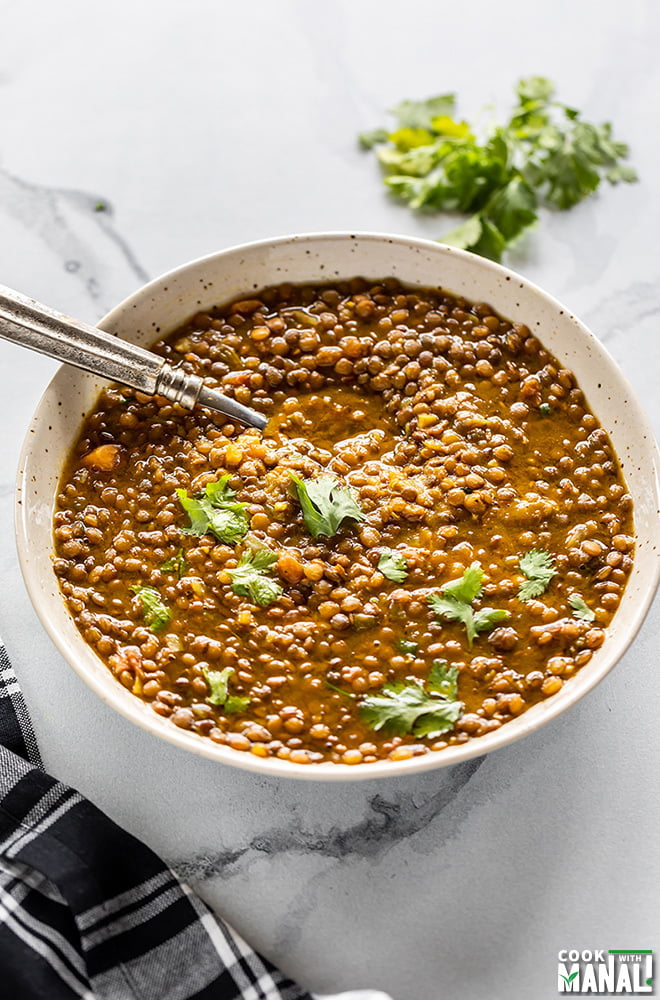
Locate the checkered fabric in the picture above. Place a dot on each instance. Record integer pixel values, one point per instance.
(86, 910)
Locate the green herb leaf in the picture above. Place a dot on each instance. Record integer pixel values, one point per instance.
(581, 609)
(325, 504)
(454, 611)
(455, 603)
(444, 718)
(407, 647)
(263, 558)
(485, 618)
(229, 524)
(545, 409)
(443, 679)
(539, 568)
(544, 155)
(491, 243)
(621, 173)
(393, 565)
(197, 512)
(218, 681)
(234, 704)
(250, 578)
(511, 210)
(370, 139)
(176, 564)
(535, 88)
(219, 491)
(465, 236)
(216, 512)
(402, 709)
(155, 614)
(420, 114)
(406, 139)
(447, 126)
(468, 586)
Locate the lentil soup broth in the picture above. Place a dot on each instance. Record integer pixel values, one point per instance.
(464, 443)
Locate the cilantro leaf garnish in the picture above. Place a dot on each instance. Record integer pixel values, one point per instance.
(407, 646)
(486, 618)
(402, 709)
(544, 155)
(176, 564)
(581, 609)
(215, 511)
(468, 586)
(218, 681)
(393, 565)
(155, 614)
(455, 603)
(539, 568)
(441, 720)
(325, 503)
(234, 704)
(250, 578)
(454, 611)
(443, 679)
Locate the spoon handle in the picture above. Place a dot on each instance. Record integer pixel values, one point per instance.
(30, 324)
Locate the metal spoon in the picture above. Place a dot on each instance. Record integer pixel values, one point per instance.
(30, 324)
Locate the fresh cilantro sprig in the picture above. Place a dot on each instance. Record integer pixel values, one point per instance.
(176, 564)
(218, 683)
(539, 568)
(545, 155)
(581, 609)
(215, 511)
(407, 646)
(421, 709)
(156, 615)
(403, 709)
(393, 565)
(325, 503)
(455, 603)
(250, 578)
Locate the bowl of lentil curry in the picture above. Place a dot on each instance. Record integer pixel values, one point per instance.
(445, 536)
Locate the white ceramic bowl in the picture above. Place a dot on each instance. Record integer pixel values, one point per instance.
(165, 303)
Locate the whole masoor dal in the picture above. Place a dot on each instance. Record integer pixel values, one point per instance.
(461, 438)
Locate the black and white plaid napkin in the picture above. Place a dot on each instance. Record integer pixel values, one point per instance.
(86, 910)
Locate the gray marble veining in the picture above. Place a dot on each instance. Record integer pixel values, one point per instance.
(73, 227)
(207, 125)
(388, 821)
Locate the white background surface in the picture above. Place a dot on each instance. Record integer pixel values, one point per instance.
(207, 124)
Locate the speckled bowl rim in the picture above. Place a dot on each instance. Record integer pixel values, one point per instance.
(35, 495)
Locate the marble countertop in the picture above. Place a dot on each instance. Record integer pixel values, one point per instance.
(203, 125)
